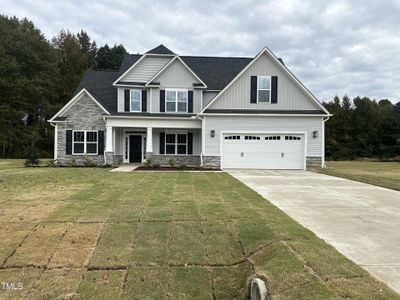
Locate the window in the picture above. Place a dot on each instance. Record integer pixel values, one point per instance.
(251, 137)
(292, 138)
(136, 100)
(232, 137)
(176, 143)
(273, 137)
(264, 89)
(84, 142)
(176, 100)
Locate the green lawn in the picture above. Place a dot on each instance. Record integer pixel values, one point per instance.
(385, 174)
(91, 234)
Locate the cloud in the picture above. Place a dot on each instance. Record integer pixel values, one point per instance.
(335, 47)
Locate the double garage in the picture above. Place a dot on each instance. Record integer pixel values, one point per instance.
(263, 151)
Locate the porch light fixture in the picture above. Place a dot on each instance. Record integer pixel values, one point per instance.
(315, 134)
(212, 133)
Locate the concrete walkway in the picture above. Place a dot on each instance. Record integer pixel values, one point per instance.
(362, 221)
(125, 168)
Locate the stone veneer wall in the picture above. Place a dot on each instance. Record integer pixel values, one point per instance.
(213, 162)
(188, 160)
(313, 161)
(85, 114)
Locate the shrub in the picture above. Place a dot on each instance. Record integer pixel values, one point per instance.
(88, 162)
(51, 163)
(71, 163)
(149, 162)
(172, 162)
(156, 166)
(182, 166)
(32, 156)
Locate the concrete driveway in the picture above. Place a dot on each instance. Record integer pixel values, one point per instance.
(362, 221)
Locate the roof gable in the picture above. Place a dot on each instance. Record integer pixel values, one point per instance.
(180, 71)
(292, 95)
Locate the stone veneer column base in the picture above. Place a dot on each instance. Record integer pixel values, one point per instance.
(313, 162)
(213, 162)
(188, 160)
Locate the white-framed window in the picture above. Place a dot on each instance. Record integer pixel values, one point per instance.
(136, 100)
(264, 89)
(176, 100)
(84, 142)
(176, 143)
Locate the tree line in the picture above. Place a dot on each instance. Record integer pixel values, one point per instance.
(39, 76)
(361, 128)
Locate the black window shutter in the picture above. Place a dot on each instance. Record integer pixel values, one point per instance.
(274, 89)
(144, 101)
(69, 142)
(127, 99)
(100, 144)
(162, 142)
(162, 100)
(253, 89)
(190, 143)
(190, 102)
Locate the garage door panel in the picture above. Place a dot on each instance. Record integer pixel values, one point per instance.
(281, 152)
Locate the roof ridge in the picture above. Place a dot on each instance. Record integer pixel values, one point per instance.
(224, 57)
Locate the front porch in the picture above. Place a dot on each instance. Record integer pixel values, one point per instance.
(135, 144)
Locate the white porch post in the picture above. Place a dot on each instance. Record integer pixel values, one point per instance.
(109, 139)
(149, 142)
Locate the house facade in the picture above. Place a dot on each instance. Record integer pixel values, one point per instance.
(219, 112)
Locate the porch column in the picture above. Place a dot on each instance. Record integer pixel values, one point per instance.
(109, 139)
(149, 142)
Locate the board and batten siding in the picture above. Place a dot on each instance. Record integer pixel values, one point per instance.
(146, 69)
(176, 75)
(262, 124)
(290, 95)
(208, 96)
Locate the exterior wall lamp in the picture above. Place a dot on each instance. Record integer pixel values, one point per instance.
(315, 134)
(212, 133)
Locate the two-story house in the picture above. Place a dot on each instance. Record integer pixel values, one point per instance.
(222, 112)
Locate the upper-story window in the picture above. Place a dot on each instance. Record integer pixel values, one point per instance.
(264, 89)
(136, 100)
(176, 100)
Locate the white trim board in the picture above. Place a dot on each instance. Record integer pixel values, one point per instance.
(73, 100)
(281, 66)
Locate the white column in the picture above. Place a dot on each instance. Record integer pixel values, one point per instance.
(109, 139)
(149, 140)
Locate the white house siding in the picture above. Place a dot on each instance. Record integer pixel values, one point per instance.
(208, 96)
(146, 69)
(264, 124)
(176, 75)
(290, 96)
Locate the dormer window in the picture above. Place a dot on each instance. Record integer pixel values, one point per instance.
(136, 101)
(264, 89)
(176, 100)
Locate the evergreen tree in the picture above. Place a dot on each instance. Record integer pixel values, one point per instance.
(109, 58)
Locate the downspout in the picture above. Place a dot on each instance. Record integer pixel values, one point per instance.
(55, 132)
(202, 139)
(323, 142)
(105, 127)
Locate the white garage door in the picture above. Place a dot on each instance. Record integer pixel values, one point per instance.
(263, 151)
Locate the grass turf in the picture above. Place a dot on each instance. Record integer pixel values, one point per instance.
(384, 174)
(91, 234)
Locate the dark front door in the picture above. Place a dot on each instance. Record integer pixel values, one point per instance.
(135, 148)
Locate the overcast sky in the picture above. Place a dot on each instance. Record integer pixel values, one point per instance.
(334, 47)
